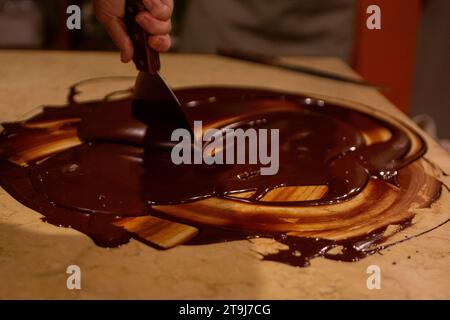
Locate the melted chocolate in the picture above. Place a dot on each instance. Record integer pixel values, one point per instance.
(318, 146)
(113, 175)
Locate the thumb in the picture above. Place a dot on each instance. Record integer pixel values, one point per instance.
(118, 33)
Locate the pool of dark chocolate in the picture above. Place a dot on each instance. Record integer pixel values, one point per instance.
(114, 174)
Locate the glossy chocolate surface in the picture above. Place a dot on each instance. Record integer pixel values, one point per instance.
(112, 174)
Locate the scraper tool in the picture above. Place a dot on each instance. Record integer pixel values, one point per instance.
(154, 102)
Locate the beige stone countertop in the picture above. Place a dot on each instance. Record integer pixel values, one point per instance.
(34, 255)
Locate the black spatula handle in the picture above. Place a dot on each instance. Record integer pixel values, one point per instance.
(145, 58)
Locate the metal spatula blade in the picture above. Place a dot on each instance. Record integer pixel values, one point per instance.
(153, 87)
(154, 102)
(157, 106)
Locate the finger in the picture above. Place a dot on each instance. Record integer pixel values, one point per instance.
(153, 26)
(161, 10)
(117, 31)
(160, 43)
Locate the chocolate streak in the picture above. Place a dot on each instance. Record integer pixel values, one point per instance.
(112, 175)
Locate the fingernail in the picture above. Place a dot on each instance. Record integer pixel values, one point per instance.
(157, 42)
(122, 57)
(141, 19)
(148, 5)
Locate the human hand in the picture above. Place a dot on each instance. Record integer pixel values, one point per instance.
(156, 21)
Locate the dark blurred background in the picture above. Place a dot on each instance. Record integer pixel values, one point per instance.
(411, 54)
